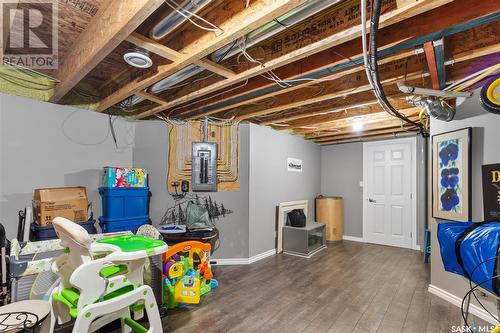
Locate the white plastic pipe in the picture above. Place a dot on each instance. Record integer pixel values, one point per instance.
(432, 92)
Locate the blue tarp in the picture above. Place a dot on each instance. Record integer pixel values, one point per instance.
(471, 250)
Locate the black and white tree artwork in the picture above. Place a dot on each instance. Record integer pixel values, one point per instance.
(177, 213)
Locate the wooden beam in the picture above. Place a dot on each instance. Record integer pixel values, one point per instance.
(326, 112)
(311, 83)
(362, 88)
(151, 97)
(325, 97)
(172, 55)
(114, 21)
(431, 64)
(258, 13)
(152, 46)
(444, 21)
(373, 121)
(388, 19)
(396, 132)
(316, 123)
(386, 127)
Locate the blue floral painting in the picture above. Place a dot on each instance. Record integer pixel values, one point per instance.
(450, 185)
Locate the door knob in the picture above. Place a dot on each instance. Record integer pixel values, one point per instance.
(371, 200)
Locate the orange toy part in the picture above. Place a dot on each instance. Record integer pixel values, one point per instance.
(191, 247)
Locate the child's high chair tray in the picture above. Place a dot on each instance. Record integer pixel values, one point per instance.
(130, 246)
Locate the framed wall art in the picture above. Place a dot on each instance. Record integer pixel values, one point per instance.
(451, 175)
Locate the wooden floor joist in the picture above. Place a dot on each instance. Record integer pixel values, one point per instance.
(375, 121)
(108, 28)
(390, 133)
(172, 55)
(445, 19)
(387, 19)
(388, 127)
(362, 88)
(329, 121)
(258, 13)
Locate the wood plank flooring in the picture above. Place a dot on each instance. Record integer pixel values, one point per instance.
(349, 287)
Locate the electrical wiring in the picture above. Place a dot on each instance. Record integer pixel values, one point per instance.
(468, 294)
(187, 15)
(208, 97)
(374, 72)
(474, 294)
(478, 78)
(469, 77)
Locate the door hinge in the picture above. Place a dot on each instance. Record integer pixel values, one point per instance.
(411, 234)
(411, 195)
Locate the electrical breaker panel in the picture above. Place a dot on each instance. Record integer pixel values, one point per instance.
(204, 168)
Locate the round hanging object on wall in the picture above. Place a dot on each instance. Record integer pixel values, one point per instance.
(138, 58)
(490, 95)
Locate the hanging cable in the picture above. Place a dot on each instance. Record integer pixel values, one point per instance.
(374, 71)
(187, 15)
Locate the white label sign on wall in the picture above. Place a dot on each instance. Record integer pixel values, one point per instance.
(294, 164)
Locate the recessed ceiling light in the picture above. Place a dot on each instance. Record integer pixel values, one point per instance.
(138, 58)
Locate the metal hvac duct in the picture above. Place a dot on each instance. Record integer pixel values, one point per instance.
(435, 108)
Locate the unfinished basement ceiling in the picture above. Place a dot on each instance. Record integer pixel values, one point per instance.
(293, 65)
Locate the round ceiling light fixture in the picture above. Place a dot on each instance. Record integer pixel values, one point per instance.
(138, 58)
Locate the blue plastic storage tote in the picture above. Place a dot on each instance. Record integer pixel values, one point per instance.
(471, 250)
(124, 202)
(115, 225)
(41, 233)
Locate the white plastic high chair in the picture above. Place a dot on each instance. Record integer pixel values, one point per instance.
(103, 281)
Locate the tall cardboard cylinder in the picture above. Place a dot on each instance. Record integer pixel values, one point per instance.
(330, 211)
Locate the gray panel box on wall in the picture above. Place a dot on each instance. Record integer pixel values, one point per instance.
(204, 167)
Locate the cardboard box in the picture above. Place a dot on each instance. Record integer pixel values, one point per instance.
(124, 177)
(68, 202)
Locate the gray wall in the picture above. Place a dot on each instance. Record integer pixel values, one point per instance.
(341, 172)
(485, 150)
(271, 183)
(151, 153)
(47, 145)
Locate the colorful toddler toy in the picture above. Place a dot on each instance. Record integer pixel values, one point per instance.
(183, 283)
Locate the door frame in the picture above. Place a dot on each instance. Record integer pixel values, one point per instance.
(413, 176)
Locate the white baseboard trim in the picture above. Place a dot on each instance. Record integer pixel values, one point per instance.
(353, 239)
(455, 300)
(243, 261)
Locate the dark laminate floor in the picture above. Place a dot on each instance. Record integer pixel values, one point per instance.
(349, 287)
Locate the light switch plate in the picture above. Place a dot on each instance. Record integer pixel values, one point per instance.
(360, 183)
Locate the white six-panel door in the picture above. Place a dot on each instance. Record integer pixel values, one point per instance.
(388, 192)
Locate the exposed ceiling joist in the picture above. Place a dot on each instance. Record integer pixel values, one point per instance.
(111, 25)
(326, 97)
(391, 133)
(151, 97)
(375, 121)
(258, 13)
(310, 83)
(443, 21)
(364, 110)
(361, 88)
(172, 55)
(385, 128)
(387, 19)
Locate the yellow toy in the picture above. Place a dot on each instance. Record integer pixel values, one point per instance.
(185, 283)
